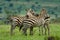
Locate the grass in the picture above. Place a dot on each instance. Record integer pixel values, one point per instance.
(5, 33)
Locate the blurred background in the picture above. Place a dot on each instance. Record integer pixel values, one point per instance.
(17, 7)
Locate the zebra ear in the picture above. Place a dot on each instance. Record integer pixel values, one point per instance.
(26, 9)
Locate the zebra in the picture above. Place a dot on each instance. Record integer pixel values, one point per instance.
(33, 22)
(46, 25)
(17, 20)
(47, 21)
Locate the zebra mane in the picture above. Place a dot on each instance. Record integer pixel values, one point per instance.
(46, 18)
(36, 15)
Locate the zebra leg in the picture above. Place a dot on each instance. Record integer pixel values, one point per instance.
(24, 30)
(42, 29)
(31, 30)
(20, 27)
(48, 29)
(12, 28)
(45, 28)
(39, 30)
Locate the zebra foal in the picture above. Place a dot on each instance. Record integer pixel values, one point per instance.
(47, 21)
(34, 21)
(17, 20)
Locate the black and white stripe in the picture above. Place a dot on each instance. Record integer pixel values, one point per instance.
(46, 25)
(32, 22)
(17, 21)
(42, 19)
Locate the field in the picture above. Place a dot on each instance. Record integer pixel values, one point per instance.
(5, 33)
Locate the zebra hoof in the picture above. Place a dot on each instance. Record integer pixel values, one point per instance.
(39, 34)
(11, 34)
(19, 30)
(31, 34)
(25, 34)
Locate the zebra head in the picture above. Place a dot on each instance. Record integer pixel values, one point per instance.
(44, 14)
(30, 13)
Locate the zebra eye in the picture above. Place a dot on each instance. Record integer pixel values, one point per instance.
(32, 13)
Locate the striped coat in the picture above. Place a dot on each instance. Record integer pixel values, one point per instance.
(35, 21)
(47, 21)
(32, 22)
(46, 25)
(17, 20)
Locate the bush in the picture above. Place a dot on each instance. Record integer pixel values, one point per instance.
(1, 22)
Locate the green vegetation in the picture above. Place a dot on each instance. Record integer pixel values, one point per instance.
(5, 33)
(17, 7)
